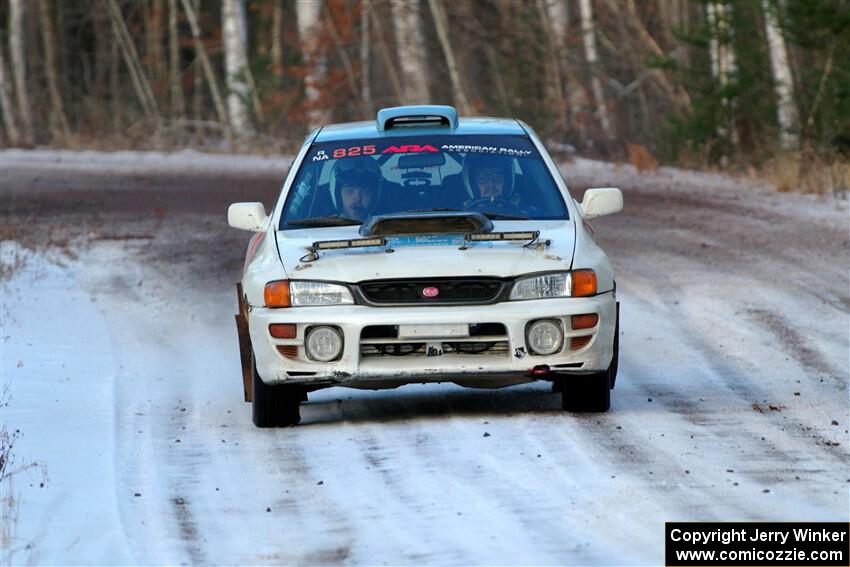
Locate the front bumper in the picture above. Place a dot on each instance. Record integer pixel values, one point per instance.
(508, 362)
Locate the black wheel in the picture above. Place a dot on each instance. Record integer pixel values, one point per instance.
(591, 392)
(276, 406)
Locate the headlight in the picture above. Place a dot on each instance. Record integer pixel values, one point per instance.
(578, 283)
(302, 294)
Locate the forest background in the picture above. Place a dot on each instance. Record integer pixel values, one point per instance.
(760, 86)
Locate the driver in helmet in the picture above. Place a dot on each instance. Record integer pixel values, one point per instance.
(489, 180)
(356, 187)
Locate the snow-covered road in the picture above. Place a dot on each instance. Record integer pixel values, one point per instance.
(119, 349)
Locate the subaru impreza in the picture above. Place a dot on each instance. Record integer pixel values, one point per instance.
(423, 247)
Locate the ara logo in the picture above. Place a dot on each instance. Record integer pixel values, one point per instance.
(412, 148)
(430, 291)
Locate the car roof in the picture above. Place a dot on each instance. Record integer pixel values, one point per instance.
(465, 126)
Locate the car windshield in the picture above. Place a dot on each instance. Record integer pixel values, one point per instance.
(349, 181)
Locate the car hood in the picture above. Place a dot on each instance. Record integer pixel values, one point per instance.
(437, 255)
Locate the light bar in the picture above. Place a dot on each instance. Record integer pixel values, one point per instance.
(356, 243)
(493, 236)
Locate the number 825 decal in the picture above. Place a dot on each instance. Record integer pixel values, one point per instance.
(354, 151)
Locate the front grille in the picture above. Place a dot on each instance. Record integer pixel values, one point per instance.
(450, 290)
(485, 339)
(423, 349)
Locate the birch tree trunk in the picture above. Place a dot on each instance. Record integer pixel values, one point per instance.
(589, 37)
(442, 26)
(307, 12)
(411, 51)
(723, 62)
(175, 70)
(236, 65)
(713, 43)
(17, 54)
(6, 97)
(783, 84)
(58, 120)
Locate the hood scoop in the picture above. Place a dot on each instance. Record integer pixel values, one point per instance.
(430, 222)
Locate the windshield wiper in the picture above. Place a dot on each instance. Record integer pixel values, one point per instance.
(331, 220)
(435, 210)
(500, 216)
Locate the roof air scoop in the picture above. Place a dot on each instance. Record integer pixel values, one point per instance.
(426, 115)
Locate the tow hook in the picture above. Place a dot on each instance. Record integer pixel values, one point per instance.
(541, 370)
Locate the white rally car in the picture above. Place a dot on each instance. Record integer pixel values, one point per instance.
(425, 248)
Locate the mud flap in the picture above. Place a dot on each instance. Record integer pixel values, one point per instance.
(615, 362)
(244, 345)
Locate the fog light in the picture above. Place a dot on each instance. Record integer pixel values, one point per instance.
(544, 336)
(323, 344)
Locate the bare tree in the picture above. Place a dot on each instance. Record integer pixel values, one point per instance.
(554, 43)
(589, 37)
(347, 65)
(58, 121)
(783, 84)
(276, 51)
(131, 59)
(6, 98)
(175, 70)
(677, 95)
(411, 51)
(389, 65)
(365, 57)
(307, 12)
(17, 54)
(236, 65)
(154, 53)
(207, 68)
(442, 26)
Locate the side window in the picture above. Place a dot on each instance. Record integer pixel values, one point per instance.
(304, 194)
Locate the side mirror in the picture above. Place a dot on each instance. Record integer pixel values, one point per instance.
(247, 216)
(601, 201)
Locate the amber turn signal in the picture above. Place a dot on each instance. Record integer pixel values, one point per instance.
(289, 351)
(584, 321)
(281, 331)
(583, 283)
(276, 294)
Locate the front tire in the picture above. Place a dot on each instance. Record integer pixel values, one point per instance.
(278, 405)
(591, 392)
